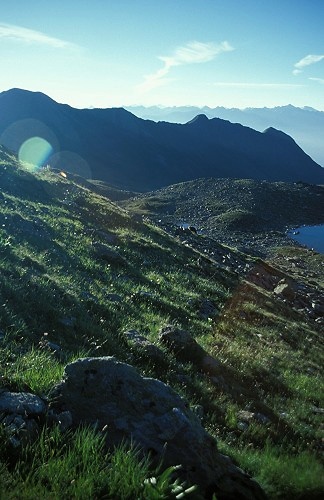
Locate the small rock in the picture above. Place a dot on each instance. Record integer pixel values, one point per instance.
(21, 403)
(242, 426)
(182, 344)
(318, 308)
(144, 346)
(286, 289)
(248, 416)
(106, 253)
(114, 297)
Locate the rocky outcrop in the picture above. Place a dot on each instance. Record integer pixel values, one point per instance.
(115, 397)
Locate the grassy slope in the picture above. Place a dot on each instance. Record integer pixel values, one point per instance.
(53, 282)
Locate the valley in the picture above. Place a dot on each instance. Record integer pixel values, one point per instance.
(252, 216)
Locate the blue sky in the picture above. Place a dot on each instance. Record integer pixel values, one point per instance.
(105, 53)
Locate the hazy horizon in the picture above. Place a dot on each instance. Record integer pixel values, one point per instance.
(162, 106)
(166, 53)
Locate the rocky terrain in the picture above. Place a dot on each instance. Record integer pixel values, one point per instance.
(253, 216)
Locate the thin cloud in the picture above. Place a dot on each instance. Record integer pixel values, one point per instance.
(192, 53)
(307, 61)
(319, 80)
(257, 85)
(28, 36)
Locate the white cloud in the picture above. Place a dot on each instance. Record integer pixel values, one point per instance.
(25, 35)
(192, 53)
(306, 61)
(256, 85)
(319, 80)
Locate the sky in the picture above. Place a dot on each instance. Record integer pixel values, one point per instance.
(111, 53)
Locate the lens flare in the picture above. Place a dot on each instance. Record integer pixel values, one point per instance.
(35, 152)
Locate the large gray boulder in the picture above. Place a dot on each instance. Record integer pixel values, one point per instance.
(115, 397)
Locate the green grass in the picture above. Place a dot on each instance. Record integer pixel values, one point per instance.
(282, 475)
(53, 283)
(76, 465)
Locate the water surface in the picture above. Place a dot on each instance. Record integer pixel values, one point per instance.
(311, 236)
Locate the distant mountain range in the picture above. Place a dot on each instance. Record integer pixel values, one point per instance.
(117, 147)
(305, 125)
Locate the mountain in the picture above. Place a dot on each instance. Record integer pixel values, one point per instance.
(115, 146)
(305, 125)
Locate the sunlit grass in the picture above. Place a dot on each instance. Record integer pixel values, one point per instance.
(55, 284)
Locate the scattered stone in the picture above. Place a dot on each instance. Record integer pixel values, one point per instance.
(116, 397)
(242, 426)
(89, 296)
(143, 346)
(315, 409)
(19, 429)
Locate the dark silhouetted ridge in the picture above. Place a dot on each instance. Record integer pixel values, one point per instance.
(141, 155)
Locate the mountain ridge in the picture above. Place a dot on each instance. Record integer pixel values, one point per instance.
(305, 125)
(115, 146)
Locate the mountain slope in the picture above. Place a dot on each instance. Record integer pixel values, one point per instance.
(77, 272)
(305, 125)
(115, 146)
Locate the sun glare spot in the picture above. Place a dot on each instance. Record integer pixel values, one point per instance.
(35, 152)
